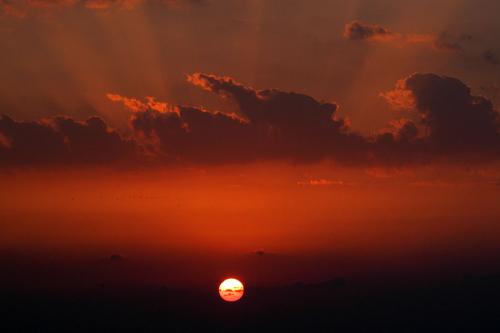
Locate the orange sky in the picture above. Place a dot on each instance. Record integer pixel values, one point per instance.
(242, 209)
(64, 59)
(347, 129)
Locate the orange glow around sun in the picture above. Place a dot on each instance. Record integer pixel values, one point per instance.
(231, 290)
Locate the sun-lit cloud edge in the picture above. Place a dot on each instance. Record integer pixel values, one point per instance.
(449, 123)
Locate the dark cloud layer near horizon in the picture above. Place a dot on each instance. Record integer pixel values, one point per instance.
(271, 125)
(61, 140)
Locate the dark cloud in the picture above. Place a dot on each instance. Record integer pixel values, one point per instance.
(196, 135)
(455, 121)
(392, 148)
(271, 124)
(286, 125)
(61, 140)
(360, 31)
(31, 143)
(274, 125)
(92, 141)
(292, 125)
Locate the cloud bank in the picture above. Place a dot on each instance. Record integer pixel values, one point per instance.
(449, 124)
(61, 140)
(455, 120)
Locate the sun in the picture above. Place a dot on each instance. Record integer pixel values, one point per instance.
(231, 290)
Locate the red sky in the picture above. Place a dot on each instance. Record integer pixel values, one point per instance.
(355, 129)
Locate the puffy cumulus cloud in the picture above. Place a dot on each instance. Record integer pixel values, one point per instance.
(92, 140)
(444, 41)
(404, 130)
(271, 124)
(452, 124)
(292, 124)
(282, 111)
(196, 135)
(274, 124)
(190, 134)
(454, 120)
(61, 140)
(401, 144)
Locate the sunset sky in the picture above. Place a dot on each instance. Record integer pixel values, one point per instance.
(363, 134)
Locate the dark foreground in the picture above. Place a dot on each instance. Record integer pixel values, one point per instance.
(467, 305)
